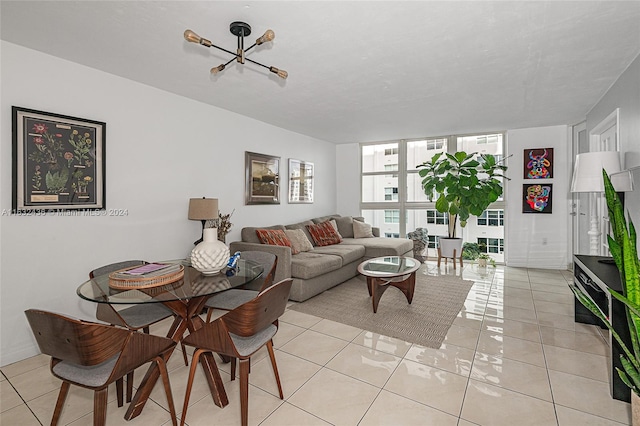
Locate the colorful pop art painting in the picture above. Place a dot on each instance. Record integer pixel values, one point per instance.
(538, 163)
(537, 198)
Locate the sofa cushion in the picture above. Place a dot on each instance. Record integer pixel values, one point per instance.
(274, 237)
(361, 230)
(303, 226)
(299, 240)
(310, 264)
(378, 247)
(249, 235)
(348, 252)
(345, 226)
(324, 234)
(325, 218)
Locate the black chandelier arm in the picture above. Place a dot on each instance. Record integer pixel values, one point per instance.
(224, 50)
(257, 63)
(251, 47)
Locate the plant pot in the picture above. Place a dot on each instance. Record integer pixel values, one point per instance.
(448, 245)
(635, 409)
(482, 263)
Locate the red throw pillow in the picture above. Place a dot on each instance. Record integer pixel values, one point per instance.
(324, 234)
(274, 237)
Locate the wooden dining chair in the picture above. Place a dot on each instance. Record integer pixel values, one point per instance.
(93, 356)
(239, 334)
(232, 298)
(136, 317)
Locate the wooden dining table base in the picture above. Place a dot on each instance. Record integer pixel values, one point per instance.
(187, 318)
(377, 286)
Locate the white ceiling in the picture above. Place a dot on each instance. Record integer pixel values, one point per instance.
(358, 71)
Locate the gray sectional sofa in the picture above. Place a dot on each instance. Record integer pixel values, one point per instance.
(323, 267)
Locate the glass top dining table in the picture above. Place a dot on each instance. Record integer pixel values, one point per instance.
(193, 284)
(186, 298)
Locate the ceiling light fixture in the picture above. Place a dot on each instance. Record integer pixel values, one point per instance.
(240, 30)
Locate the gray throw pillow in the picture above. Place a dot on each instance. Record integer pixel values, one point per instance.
(299, 240)
(362, 230)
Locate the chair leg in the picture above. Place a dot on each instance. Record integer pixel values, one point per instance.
(244, 391)
(119, 391)
(100, 406)
(62, 396)
(192, 372)
(233, 368)
(209, 312)
(439, 256)
(272, 355)
(162, 366)
(145, 330)
(129, 386)
(184, 354)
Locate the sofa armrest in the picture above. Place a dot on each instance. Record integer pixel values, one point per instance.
(375, 231)
(283, 269)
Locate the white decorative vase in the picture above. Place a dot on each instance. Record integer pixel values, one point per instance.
(635, 409)
(211, 255)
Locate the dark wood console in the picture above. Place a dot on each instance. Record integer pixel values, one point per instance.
(595, 278)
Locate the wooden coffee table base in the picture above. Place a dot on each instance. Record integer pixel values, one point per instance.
(377, 286)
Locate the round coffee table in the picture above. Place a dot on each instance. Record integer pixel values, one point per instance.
(389, 271)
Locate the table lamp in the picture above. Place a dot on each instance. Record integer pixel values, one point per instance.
(587, 177)
(203, 209)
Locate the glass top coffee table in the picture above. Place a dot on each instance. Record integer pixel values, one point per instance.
(389, 271)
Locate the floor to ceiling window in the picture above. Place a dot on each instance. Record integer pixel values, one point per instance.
(393, 199)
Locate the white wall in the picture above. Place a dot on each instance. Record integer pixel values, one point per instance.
(348, 179)
(537, 240)
(624, 94)
(162, 149)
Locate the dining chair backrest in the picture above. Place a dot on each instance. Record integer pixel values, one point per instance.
(268, 261)
(73, 340)
(257, 314)
(107, 269)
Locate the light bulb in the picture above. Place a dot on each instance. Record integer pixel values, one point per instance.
(269, 35)
(195, 38)
(216, 70)
(281, 73)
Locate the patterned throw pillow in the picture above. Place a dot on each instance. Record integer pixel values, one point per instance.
(299, 240)
(324, 234)
(274, 237)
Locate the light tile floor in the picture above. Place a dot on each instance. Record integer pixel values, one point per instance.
(514, 356)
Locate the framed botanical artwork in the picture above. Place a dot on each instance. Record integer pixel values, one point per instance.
(537, 198)
(262, 179)
(58, 162)
(300, 181)
(538, 163)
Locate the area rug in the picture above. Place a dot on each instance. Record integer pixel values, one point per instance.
(436, 303)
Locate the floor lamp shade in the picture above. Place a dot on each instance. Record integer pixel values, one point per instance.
(587, 173)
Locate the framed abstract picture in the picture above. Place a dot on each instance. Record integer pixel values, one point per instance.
(262, 179)
(537, 198)
(58, 162)
(538, 163)
(300, 181)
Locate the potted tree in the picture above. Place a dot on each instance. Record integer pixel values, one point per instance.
(625, 253)
(465, 185)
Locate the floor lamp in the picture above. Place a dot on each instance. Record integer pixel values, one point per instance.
(587, 177)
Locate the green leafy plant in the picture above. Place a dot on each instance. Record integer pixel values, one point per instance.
(625, 253)
(472, 250)
(465, 184)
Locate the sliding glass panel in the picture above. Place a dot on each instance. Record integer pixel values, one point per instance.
(379, 188)
(380, 158)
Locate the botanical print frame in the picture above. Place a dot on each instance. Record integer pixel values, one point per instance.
(58, 162)
(300, 181)
(537, 198)
(262, 179)
(538, 163)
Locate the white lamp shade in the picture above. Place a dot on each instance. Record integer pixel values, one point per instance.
(587, 173)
